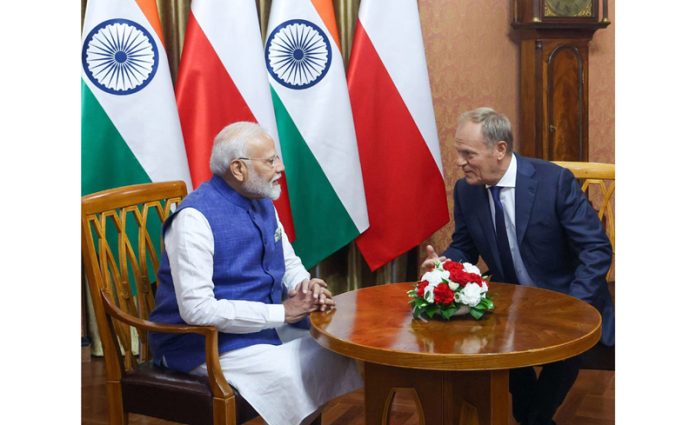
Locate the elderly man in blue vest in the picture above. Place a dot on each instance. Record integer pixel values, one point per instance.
(532, 225)
(227, 262)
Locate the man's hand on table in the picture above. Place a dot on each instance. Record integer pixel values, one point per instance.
(308, 296)
(431, 258)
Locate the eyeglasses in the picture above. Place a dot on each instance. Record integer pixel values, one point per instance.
(272, 161)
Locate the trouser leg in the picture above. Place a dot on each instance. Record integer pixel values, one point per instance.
(554, 383)
(522, 384)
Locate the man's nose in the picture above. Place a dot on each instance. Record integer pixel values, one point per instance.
(279, 166)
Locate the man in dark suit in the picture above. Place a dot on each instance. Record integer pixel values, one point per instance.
(532, 225)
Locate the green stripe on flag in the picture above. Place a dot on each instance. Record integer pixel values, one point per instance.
(107, 161)
(322, 224)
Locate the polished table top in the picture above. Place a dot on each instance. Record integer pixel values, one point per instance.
(529, 326)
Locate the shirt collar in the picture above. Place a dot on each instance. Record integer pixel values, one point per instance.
(509, 179)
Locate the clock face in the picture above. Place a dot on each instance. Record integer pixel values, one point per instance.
(568, 8)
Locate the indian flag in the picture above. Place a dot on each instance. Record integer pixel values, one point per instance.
(315, 127)
(130, 126)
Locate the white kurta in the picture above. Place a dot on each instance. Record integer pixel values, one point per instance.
(284, 383)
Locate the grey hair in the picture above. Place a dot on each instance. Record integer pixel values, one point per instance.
(494, 125)
(231, 143)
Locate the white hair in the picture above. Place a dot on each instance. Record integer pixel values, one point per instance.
(231, 143)
(494, 126)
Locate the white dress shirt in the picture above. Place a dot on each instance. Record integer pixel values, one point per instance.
(507, 198)
(190, 247)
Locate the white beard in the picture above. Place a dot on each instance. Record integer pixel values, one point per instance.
(265, 189)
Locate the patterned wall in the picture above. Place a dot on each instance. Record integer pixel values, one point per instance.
(601, 89)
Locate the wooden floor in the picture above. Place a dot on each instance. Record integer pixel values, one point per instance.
(590, 402)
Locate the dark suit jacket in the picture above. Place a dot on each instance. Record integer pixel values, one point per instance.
(561, 240)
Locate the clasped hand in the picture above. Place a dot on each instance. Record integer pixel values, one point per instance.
(308, 296)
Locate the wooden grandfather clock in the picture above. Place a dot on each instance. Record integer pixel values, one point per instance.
(554, 68)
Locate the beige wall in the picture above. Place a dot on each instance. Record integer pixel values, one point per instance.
(602, 93)
(473, 61)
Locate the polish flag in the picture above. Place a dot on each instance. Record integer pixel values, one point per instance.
(222, 79)
(396, 132)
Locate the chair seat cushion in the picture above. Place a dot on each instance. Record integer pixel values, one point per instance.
(167, 394)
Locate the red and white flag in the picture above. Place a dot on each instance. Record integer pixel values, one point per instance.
(396, 132)
(222, 79)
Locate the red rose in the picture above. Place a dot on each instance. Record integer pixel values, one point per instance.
(452, 266)
(421, 288)
(456, 271)
(458, 276)
(472, 277)
(443, 294)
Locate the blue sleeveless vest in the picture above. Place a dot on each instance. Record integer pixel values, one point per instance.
(248, 264)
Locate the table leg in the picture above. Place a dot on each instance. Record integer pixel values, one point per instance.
(442, 397)
(487, 391)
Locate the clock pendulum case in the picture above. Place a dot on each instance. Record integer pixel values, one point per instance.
(554, 37)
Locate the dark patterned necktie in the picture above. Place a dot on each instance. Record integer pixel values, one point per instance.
(501, 238)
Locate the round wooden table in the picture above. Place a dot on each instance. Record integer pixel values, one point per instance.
(459, 368)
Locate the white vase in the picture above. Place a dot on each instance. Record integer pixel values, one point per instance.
(463, 311)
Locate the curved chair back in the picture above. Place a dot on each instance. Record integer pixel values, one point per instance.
(120, 245)
(120, 250)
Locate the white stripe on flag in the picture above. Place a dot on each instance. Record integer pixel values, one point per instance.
(225, 23)
(147, 120)
(403, 55)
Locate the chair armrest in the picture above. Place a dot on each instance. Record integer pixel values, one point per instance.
(218, 384)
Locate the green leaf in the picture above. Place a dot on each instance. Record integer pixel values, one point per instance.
(485, 304)
(476, 314)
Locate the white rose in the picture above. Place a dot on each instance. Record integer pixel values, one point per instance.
(453, 285)
(471, 295)
(485, 286)
(434, 277)
(428, 293)
(470, 268)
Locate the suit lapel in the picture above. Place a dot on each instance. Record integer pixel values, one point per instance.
(525, 192)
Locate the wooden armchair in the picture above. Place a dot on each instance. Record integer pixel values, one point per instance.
(598, 182)
(120, 249)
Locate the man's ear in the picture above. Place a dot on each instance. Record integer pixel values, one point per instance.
(501, 149)
(238, 170)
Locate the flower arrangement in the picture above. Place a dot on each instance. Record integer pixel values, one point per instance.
(451, 288)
